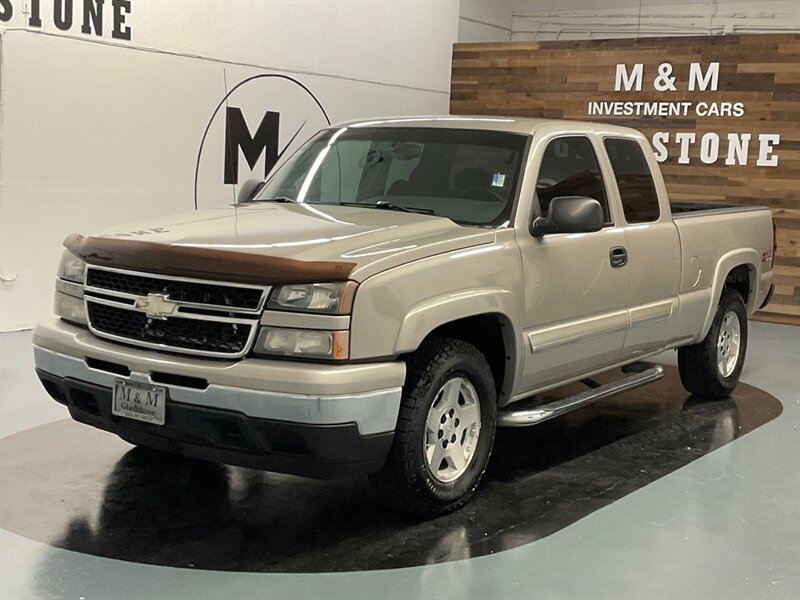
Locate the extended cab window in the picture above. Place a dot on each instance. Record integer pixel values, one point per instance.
(634, 180)
(570, 168)
(469, 176)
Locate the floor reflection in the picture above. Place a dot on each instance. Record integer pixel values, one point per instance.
(76, 488)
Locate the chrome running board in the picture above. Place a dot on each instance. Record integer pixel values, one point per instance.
(534, 416)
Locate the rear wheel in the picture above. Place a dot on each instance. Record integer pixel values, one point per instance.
(711, 368)
(445, 430)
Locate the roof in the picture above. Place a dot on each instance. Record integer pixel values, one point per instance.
(512, 124)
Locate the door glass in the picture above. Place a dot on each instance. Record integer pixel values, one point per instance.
(634, 181)
(569, 168)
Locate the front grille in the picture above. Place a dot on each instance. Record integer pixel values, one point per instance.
(178, 290)
(190, 334)
(205, 317)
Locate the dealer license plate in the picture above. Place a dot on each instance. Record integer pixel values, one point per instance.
(139, 401)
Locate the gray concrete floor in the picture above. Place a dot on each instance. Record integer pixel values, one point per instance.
(724, 526)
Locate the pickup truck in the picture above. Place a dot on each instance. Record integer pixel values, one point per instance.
(396, 290)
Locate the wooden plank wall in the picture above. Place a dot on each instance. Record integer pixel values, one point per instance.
(560, 79)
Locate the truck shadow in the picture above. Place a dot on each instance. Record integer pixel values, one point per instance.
(80, 489)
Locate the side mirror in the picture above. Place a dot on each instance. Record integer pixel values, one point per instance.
(570, 214)
(248, 190)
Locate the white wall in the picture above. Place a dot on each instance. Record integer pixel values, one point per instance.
(97, 131)
(587, 19)
(527, 20)
(485, 21)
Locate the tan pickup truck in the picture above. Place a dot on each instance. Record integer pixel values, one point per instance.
(392, 292)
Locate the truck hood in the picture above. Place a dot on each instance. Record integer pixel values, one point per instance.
(374, 239)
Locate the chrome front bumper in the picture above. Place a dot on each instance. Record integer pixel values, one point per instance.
(305, 393)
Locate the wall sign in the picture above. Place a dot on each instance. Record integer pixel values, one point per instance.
(736, 145)
(721, 114)
(97, 18)
(238, 137)
(259, 121)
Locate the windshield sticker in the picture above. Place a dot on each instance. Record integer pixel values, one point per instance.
(498, 179)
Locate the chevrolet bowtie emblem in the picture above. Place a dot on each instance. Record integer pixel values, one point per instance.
(156, 306)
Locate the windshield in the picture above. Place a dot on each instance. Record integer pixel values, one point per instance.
(469, 176)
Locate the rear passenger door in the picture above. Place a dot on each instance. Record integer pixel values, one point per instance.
(575, 299)
(652, 246)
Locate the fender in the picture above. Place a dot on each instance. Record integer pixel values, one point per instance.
(726, 264)
(423, 318)
(434, 312)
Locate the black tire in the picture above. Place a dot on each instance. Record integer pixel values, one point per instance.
(406, 480)
(699, 364)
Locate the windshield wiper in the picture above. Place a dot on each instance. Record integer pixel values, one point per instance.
(273, 199)
(390, 206)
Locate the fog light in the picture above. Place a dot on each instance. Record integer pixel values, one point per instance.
(309, 343)
(70, 308)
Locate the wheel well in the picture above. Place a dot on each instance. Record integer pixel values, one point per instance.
(739, 280)
(492, 335)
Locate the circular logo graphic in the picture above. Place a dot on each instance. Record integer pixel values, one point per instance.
(258, 123)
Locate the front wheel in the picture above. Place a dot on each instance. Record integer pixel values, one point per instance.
(445, 430)
(711, 368)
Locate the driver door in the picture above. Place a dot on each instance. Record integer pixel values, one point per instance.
(575, 314)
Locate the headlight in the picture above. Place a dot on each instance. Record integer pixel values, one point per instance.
(308, 343)
(327, 298)
(71, 267)
(70, 308)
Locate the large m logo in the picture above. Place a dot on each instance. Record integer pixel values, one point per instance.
(237, 135)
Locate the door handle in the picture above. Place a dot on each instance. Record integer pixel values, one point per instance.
(618, 256)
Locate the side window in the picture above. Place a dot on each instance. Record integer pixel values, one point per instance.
(569, 168)
(634, 180)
